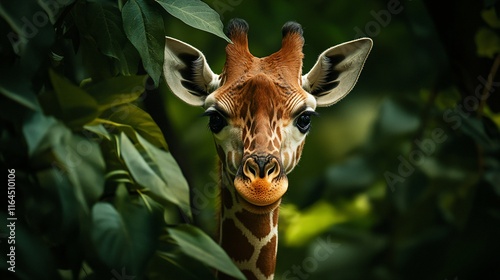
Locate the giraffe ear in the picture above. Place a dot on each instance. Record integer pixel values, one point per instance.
(187, 72)
(336, 71)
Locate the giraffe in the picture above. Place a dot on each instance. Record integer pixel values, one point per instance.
(259, 112)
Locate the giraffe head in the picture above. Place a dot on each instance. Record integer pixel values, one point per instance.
(260, 109)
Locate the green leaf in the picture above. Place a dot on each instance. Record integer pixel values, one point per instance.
(105, 24)
(174, 262)
(30, 40)
(125, 236)
(99, 130)
(116, 91)
(130, 65)
(144, 28)
(95, 63)
(24, 48)
(398, 118)
(19, 91)
(490, 16)
(146, 177)
(104, 46)
(110, 237)
(78, 158)
(487, 42)
(196, 244)
(52, 207)
(81, 160)
(164, 164)
(35, 129)
(131, 118)
(76, 106)
(196, 14)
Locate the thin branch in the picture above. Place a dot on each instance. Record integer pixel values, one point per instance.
(489, 85)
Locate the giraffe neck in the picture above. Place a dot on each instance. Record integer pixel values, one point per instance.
(249, 239)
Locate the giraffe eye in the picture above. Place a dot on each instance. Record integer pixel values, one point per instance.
(303, 121)
(217, 122)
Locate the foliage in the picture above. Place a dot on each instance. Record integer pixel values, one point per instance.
(398, 181)
(98, 194)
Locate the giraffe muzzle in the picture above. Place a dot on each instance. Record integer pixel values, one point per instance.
(261, 180)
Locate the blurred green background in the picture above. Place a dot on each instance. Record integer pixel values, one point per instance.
(402, 176)
(400, 180)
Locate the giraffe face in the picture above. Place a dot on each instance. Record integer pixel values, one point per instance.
(260, 109)
(259, 127)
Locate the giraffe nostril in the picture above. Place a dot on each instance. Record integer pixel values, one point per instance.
(252, 170)
(271, 170)
(261, 167)
(260, 181)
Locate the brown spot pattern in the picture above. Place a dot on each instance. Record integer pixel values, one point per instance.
(267, 258)
(258, 224)
(235, 243)
(258, 95)
(276, 216)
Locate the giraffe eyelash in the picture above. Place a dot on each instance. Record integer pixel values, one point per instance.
(308, 113)
(303, 121)
(217, 120)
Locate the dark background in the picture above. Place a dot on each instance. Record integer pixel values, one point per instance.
(402, 176)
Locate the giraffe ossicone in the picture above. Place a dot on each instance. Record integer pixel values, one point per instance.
(259, 112)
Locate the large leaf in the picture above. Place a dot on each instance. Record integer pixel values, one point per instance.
(103, 43)
(18, 89)
(125, 236)
(144, 28)
(35, 129)
(76, 107)
(81, 160)
(131, 118)
(196, 14)
(104, 23)
(116, 91)
(29, 39)
(164, 164)
(52, 206)
(196, 244)
(179, 264)
(23, 50)
(75, 157)
(490, 16)
(155, 186)
(96, 64)
(487, 42)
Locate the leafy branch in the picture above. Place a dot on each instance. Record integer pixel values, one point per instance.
(101, 193)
